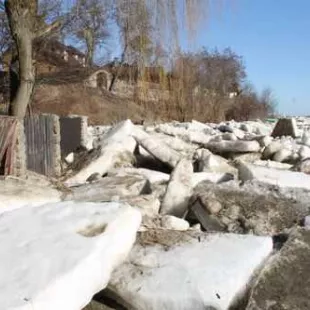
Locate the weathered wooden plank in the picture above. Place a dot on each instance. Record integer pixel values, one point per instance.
(47, 146)
(8, 167)
(40, 144)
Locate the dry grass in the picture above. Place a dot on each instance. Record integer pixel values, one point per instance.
(101, 107)
(104, 107)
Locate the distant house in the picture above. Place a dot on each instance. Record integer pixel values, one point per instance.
(51, 56)
(54, 56)
(57, 63)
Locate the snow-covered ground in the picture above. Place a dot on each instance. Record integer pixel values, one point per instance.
(16, 193)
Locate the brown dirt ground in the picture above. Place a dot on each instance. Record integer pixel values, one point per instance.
(100, 106)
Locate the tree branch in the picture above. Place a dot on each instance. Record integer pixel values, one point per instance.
(43, 32)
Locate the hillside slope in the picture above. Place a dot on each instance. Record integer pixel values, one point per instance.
(102, 107)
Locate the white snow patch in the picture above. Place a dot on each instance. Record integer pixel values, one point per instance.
(70, 158)
(15, 194)
(174, 223)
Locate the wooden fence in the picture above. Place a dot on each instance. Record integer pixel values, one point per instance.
(42, 135)
(38, 143)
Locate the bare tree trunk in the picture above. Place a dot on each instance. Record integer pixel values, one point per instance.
(90, 45)
(118, 70)
(21, 22)
(25, 26)
(26, 76)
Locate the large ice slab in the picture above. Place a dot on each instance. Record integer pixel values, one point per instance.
(175, 143)
(185, 134)
(110, 188)
(239, 146)
(179, 190)
(152, 175)
(57, 256)
(158, 149)
(186, 270)
(116, 148)
(281, 178)
(208, 162)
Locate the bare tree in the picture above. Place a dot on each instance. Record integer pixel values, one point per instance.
(251, 105)
(146, 25)
(89, 24)
(268, 101)
(135, 31)
(48, 10)
(212, 72)
(134, 22)
(26, 25)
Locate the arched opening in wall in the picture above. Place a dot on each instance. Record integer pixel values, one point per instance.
(102, 81)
